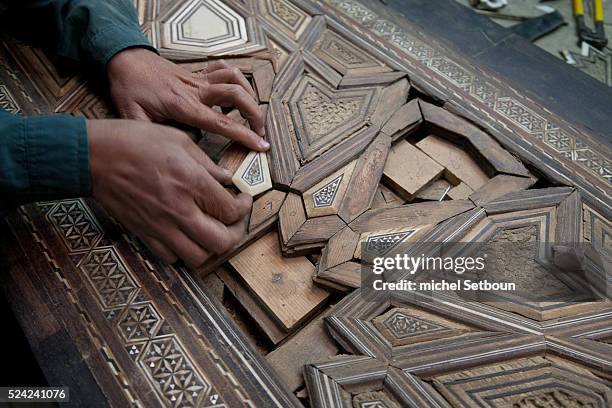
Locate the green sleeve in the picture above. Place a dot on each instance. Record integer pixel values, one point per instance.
(82, 30)
(42, 158)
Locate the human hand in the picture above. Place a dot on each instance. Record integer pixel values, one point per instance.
(146, 86)
(164, 189)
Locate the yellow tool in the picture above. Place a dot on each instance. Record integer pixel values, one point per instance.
(597, 38)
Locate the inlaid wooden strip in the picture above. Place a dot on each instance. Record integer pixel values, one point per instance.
(365, 178)
(408, 170)
(382, 78)
(450, 125)
(569, 213)
(338, 156)
(392, 96)
(460, 166)
(410, 214)
(283, 163)
(407, 118)
(291, 216)
(265, 207)
(320, 69)
(499, 186)
(528, 199)
(316, 230)
(283, 285)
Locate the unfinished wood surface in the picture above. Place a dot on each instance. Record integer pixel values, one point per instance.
(435, 191)
(365, 178)
(410, 214)
(269, 326)
(291, 216)
(407, 118)
(283, 285)
(265, 207)
(253, 175)
(499, 186)
(233, 157)
(340, 278)
(339, 249)
(460, 192)
(408, 170)
(324, 198)
(392, 97)
(459, 164)
(312, 343)
(316, 231)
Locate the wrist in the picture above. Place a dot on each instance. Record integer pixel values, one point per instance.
(126, 59)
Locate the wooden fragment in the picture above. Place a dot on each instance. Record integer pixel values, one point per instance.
(392, 96)
(340, 278)
(339, 249)
(260, 316)
(338, 156)
(453, 126)
(570, 214)
(365, 178)
(253, 175)
(283, 163)
(316, 231)
(266, 206)
(383, 78)
(410, 214)
(283, 285)
(528, 199)
(312, 343)
(435, 191)
(459, 164)
(263, 77)
(233, 157)
(320, 69)
(324, 198)
(460, 192)
(407, 118)
(291, 216)
(408, 170)
(499, 186)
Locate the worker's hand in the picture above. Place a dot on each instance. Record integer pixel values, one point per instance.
(164, 189)
(146, 86)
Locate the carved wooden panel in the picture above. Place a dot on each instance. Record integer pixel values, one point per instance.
(382, 140)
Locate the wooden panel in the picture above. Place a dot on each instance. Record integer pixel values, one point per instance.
(283, 285)
(458, 163)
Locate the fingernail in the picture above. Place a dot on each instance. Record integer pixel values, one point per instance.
(263, 144)
(261, 131)
(227, 173)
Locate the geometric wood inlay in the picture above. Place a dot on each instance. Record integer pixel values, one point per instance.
(324, 117)
(526, 383)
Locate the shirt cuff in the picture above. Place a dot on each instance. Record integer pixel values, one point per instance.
(57, 157)
(107, 42)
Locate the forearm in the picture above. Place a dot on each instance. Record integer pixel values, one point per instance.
(82, 30)
(42, 158)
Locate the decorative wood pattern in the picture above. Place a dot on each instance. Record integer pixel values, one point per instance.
(335, 77)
